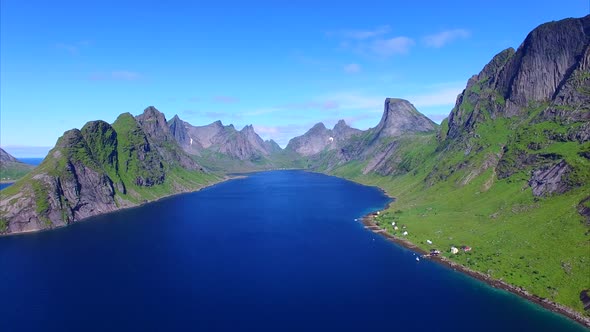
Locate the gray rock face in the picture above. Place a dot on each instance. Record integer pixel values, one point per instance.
(401, 117)
(178, 130)
(320, 138)
(6, 157)
(551, 66)
(342, 132)
(543, 62)
(90, 172)
(156, 128)
(154, 124)
(272, 147)
(312, 142)
(77, 189)
(549, 180)
(242, 145)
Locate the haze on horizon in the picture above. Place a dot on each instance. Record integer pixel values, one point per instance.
(281, 67)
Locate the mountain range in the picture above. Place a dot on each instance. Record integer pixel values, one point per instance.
(508, 171)
(11, 168)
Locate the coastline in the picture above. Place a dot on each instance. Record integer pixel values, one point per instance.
(370, 224)
(221, 180)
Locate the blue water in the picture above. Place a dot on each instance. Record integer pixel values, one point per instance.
(31, 161)
(4, 185)
(277, 251)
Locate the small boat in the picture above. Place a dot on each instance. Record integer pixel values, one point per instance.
(417, 259)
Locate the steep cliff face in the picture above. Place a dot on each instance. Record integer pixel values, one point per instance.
(99, 169)
(401, 117)
(378, 148)
(535, 104)
(543, 63)
(550, 70)
(69, 185)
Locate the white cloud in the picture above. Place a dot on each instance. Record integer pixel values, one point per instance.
(444, 37)
(361, 34)
(352, 68)
(391, 46)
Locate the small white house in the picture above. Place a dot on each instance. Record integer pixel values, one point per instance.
(428, 241)
(395, 228)
(454, 250)
(405, 233)
(393, 223)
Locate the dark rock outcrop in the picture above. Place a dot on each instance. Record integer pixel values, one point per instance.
(549, 180)
(98, 169)
(550, 67)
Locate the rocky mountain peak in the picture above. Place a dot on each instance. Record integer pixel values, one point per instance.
(543, 62)
(153, 122)
(550, 67)
(179, 131)
(69, 138)
(340, 124)
(6, 157)
(248, 129)
(400, 117)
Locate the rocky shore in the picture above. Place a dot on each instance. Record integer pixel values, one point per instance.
(370, 224)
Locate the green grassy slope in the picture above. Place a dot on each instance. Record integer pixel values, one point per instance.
(11, 171)
(451, 193)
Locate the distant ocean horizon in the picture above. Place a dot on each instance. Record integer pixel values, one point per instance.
(31, 161)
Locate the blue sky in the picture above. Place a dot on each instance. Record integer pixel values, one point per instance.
(281, 66)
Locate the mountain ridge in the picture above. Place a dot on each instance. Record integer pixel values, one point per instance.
(507, 172)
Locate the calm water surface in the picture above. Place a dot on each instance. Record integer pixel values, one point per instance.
(277, 251)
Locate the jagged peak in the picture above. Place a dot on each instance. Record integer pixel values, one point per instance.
(400, 117)
(341, 124)
(151, 111)
(248, 128)
(318, 126)
(69, 138)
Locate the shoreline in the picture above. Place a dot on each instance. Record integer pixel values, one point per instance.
(222, 179)
(370, 224)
